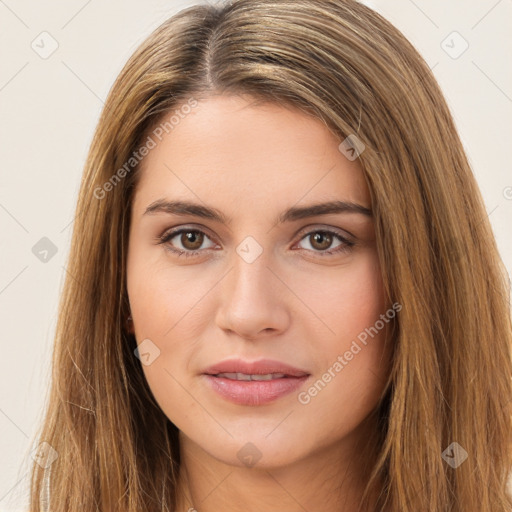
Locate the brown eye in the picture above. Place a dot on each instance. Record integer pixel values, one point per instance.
(187, 242)
(192, 240)
(321, 240)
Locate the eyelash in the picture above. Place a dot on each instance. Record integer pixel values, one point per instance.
(346, 245)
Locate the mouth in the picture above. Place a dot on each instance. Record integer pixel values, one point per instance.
(253, 382)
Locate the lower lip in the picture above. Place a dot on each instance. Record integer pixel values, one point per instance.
(255, 392)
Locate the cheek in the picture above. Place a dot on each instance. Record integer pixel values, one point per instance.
(162, 304)
(347, 300)
(172, 311)
(162, 299)
(169, 308)
(352, 354)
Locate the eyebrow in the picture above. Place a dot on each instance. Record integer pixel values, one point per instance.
(291, 214)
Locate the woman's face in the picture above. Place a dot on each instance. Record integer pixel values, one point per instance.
(253, 276)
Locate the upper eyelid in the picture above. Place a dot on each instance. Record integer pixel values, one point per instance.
(337, 231)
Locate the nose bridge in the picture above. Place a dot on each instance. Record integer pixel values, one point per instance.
(251, 277)
(250, 299)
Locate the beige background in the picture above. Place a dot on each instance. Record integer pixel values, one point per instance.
(48, 111)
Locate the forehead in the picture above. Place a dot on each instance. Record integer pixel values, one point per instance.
(229, 151)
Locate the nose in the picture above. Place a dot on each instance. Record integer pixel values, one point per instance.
(253, 300)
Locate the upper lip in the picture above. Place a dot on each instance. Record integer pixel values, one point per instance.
(261, 367)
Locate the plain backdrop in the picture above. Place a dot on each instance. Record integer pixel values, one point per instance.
(58, 61)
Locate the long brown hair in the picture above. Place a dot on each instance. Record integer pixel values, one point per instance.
(449, 392)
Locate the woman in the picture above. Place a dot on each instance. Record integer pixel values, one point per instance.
(284, 290)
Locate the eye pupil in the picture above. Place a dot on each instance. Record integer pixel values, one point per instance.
(318, 237)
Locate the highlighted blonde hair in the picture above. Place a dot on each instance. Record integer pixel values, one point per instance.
(452, 367)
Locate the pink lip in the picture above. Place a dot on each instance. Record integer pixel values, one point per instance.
(261, 367)
(254, 392)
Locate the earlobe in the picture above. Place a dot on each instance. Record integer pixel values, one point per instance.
(129, 325)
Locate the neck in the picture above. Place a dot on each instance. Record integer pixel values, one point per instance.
(333, 476)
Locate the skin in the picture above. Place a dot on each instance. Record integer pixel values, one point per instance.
(292, 304)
